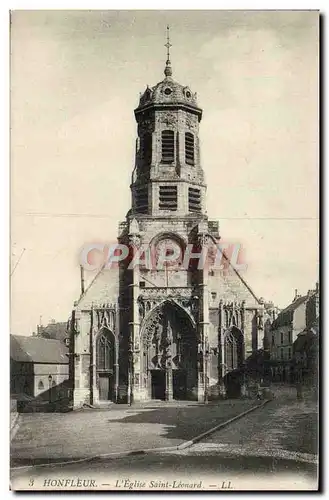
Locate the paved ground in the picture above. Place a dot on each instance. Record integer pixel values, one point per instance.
(44, 437)
(271, 448)
(281, 430)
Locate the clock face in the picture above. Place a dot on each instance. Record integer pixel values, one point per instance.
(168, 253)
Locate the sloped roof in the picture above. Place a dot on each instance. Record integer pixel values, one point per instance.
(55, 330)
(305, 340)
(285, 317)
(37, 350)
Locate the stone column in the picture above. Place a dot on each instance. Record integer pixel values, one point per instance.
(169, 378)
(82, 387)
(221, 353)
(116, 354)
(94, 395)
(134, 340)
(203, 375)
(244, 382)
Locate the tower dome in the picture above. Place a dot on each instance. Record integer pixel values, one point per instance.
(168, 91)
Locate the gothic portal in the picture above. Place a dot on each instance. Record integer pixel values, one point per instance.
(155, 331)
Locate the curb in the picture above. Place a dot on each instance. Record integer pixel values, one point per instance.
(182, 446)
(187, 444)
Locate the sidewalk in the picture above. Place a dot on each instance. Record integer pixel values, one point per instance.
(45, 438)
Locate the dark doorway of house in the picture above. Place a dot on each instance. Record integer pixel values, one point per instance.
(105, 387)
(158, 384)
(179, 384)
(233, 385)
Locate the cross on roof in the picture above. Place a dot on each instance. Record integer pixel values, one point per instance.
(168, 44)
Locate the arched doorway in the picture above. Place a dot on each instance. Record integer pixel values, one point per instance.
(170, 353)
(233, 359)
(105, 351)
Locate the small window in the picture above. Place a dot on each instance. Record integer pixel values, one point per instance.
(289, 352)
(41, 386)
(282, 355)
(168, 198)
(168, 146)
(142, 284)
(213, 295)
(290, 337)
(281, 337)
(194, 200)
(189, 148)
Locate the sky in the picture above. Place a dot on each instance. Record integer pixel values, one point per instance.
(75, 81)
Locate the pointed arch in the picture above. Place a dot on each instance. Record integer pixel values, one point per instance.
(105, 350)
(233, 348)
(154, 315)
(170, 352)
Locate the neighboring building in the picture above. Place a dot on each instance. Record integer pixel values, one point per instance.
(155, 333)
(54, 330)
(298, 317)
(306, 355)
(37, 365)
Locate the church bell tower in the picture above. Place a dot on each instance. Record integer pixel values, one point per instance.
(166, 324)
(168, 180)
(165, 308)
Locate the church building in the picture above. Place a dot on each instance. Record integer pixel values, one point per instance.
(165, 332)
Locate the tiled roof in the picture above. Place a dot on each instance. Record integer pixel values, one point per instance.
(37, 350)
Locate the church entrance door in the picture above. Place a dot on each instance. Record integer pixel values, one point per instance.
(170, 358)
(105, 346)
(105, 392)
(158, 381)
(179, 384)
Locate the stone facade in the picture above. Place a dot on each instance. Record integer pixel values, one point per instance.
(150, 331)
(283, 333)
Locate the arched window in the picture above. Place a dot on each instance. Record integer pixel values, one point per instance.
(233, 349)
(40, 385)
(104, 352)
(189, 148)
(167, 146)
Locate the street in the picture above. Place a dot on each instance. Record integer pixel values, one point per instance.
(277, 439)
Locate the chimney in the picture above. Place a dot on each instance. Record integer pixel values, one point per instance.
(82, 280)
(296, 295)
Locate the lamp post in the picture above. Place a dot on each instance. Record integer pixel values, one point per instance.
(50, 378)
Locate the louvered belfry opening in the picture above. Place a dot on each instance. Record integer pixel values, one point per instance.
(167, 146)
(194, 200)
(146, 148)
(141, 199)
(168, 197)
(189, 148)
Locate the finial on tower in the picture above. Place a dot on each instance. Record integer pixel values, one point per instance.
(168, 70)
